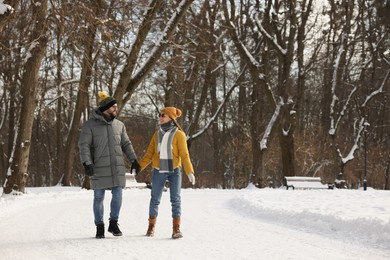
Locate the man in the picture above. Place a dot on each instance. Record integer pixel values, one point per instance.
(102, 142)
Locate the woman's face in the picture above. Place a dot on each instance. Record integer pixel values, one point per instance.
(164, 118)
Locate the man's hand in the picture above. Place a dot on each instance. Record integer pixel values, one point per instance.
(135, 166)
(88, 169)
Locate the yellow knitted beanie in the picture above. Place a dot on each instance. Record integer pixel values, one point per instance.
(105, 101)
(172, 112)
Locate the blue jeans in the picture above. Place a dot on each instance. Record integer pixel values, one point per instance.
(98, 206)
(158, 183)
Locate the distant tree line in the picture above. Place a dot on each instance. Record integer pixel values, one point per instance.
(268, 88)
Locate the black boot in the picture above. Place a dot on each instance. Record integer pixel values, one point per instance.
(113, 228)
(100, 231)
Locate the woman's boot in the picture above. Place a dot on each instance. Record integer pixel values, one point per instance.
(152, 224)
(176, 228)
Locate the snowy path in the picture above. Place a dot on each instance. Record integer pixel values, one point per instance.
(60, 226)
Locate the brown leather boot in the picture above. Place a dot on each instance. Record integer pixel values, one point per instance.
(152, 224)
(176, 228)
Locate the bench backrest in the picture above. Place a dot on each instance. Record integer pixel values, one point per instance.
(303, 182)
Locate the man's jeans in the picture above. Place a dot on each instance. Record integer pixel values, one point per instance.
(158, 183)
(98, 206)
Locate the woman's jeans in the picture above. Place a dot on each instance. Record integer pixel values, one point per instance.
(98, 206)
(158, 184)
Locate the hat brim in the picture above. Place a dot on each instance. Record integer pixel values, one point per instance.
(107, 106)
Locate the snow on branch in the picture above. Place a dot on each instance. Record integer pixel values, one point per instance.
(386, 60)
(63, 83)
(4, 8)
(268, 130)
(355, 146)
(30, 50)
(332, 130)
(342, 113)
(67, 82)
(247, 52)
(214, 117)
(362, 123)
(266, 34)
(3, 111)
(376, 92)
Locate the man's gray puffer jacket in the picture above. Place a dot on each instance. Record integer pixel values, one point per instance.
(102, 144)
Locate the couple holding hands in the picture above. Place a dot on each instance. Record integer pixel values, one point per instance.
(102, 143)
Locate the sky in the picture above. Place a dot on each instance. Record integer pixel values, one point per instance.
(57, 223)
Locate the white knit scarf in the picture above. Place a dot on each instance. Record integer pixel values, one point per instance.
(165, 149)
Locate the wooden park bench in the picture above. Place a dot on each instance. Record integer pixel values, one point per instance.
(303, 182)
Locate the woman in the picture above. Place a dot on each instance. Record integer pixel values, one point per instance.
(166, 151)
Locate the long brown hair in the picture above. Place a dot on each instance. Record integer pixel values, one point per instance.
(177, 124)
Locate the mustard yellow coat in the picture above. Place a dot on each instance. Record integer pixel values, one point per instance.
(180, 154)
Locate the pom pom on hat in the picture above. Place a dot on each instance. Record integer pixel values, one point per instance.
(172, 112)
(105, 101)
(102, 95)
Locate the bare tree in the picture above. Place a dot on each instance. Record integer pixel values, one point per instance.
(348, 96)
(260, 83)
(97, 8)
(129, 80)
(17, 178)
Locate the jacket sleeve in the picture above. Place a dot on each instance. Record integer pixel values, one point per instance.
(127, 146)
(148, 157)
(85, 144)
(183, 152)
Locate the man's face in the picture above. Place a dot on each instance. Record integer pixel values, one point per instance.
(112, 111)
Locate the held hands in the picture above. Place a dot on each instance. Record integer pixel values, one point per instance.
(135, 166)
(191, 177)
(88, 169)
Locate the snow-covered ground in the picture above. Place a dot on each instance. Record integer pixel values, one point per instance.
(57, 223)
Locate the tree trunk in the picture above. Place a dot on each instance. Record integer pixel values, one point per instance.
(387, 175)
(17, 178)
(287, 117)
(59, 143)
(210, 79)
(286, 141)
(82, 98)
(260, 89)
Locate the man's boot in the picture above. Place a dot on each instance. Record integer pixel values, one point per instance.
(113, 228)
(152, 224)
(176, 228)
(100, 231)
